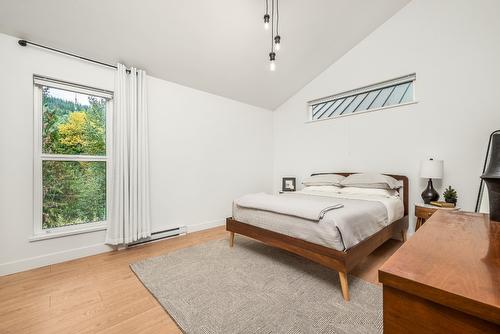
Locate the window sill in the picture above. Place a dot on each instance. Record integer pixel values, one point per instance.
(59, 234)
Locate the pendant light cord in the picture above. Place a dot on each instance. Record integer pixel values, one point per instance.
(277, 18)
(267, 6)
(272, 25)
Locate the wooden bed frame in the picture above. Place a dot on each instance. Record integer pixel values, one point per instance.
(341, 261)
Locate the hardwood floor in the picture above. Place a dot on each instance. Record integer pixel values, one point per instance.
(100, 294)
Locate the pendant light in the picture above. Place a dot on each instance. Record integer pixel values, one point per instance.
(266, 16)
(277, 44)
(272, 61)
(277, 38)
(272, 54)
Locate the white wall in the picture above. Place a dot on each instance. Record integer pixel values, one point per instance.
(453, 47)
(205, 150)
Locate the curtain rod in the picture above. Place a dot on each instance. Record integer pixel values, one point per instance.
(24, 42)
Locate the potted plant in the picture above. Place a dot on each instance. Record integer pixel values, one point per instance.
(450, 195)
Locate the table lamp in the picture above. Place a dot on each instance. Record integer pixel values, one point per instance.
(431, 169)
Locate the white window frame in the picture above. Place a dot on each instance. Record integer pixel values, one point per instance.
(38, 232)
(410, 77)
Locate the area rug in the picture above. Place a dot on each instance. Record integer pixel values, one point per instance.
(254, 288)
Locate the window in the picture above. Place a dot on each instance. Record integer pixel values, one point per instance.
(72, 144)
(386, 94)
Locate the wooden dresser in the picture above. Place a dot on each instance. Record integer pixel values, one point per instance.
(446, 278)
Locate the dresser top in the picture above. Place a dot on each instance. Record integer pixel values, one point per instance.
(430, 206)
(453, 260)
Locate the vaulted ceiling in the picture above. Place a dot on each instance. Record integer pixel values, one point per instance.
(218, 46)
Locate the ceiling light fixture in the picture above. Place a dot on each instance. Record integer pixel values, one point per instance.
(275, 39)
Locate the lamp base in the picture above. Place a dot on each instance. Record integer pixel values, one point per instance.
(429, 194)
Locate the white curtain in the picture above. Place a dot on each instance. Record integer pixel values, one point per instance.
(129, 203)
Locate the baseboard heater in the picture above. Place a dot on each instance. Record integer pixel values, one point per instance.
(155, 236)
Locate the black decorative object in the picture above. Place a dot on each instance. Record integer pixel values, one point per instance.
(431, 169)
(492, 178)
(430, 194)
(288, 184)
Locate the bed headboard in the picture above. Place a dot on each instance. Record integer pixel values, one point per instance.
(402, 178)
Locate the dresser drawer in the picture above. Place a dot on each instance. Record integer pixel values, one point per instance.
(422, 212)
(435, 277)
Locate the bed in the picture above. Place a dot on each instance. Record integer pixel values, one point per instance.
(322, 243)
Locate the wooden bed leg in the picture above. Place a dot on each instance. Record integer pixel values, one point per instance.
(403, 235)
(231, 239)
(344, 285)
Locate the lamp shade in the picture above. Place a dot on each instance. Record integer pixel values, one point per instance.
(431, 169)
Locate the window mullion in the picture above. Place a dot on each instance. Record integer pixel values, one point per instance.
(61, 157)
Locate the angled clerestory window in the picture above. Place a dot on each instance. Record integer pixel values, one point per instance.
(385, 94)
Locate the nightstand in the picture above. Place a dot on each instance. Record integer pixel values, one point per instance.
(425, 211)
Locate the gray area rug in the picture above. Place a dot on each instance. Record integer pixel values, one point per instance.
(254, 288)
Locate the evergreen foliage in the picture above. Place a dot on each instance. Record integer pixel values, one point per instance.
(74, 192)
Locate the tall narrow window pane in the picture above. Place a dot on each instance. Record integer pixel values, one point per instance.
(73, 123)
(71, 155)
(74, 192)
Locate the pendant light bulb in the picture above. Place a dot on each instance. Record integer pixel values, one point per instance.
(272, 64)
(266, 21)
(277, 42)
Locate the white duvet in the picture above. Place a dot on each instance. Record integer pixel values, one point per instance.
(393, 204)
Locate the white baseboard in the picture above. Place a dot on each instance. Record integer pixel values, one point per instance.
(71, 254)
(52, 258)
(205, 225)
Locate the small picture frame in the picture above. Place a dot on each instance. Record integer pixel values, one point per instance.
(288, 184)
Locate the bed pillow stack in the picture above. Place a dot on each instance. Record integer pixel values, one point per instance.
(354, 184)
(369, 191)
(323, 180)
(373, 181)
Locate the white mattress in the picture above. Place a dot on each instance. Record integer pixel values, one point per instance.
(315, 232)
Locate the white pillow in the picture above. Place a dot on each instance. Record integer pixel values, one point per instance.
(323, 180)
(369, 191)
(330, 189)
(374, 181)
